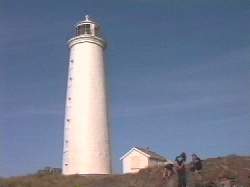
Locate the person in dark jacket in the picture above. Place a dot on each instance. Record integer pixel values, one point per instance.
(196, 164)
(181, 169)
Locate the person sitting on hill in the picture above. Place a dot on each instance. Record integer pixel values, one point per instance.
(196, 164)
(168, 170)
(169, 177)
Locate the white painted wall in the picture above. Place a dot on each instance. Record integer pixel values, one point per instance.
(134, 162)
(87, 147)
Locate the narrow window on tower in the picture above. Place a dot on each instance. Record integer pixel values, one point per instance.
(71, 65)
(65, 158)
(87, 29)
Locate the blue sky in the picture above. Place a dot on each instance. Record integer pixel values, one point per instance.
(178, 77)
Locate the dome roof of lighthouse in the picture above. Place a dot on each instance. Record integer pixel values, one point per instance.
(87, 20)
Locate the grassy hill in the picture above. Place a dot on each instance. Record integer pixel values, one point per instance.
(235, 168)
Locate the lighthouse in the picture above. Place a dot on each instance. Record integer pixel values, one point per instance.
(87, 148)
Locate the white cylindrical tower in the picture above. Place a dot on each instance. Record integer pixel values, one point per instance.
(87, 148)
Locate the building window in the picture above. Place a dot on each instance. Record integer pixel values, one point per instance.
(97, 31)
(87, 29)
(69, 98)
(83, 29)
(68, 120)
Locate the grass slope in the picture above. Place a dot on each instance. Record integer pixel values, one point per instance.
(214, 169)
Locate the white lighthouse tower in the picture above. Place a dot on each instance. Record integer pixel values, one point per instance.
(87, 148)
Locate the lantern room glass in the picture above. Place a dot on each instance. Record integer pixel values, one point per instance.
(88, 29)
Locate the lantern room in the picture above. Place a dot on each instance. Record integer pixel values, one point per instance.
(88, 28)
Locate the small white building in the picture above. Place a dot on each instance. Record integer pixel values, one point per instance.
(139, 158)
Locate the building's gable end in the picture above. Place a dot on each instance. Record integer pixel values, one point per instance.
(134, 149)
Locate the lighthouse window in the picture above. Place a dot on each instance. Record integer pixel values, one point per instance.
(79, 30)
(69, 98)
(97, 31)
(87, 29)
